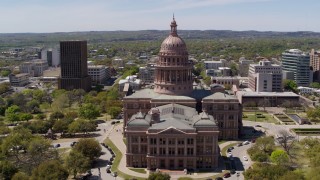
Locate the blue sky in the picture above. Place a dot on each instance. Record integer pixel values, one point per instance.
(109, 15)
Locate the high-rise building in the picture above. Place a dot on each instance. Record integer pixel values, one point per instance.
(265, 77)
(74, 69)
(298, 62)
(315, 64)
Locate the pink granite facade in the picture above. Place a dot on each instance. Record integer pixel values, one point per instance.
(173, 74)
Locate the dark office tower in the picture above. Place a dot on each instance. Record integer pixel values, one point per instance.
(49, 57)
(74, 69)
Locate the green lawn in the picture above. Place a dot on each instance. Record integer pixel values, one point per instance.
(258, 117)
(117, 161)
(139, 170)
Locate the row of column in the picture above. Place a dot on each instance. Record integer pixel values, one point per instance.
(173, 76)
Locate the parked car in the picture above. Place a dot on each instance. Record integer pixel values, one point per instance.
(232, 171)
(218, 178)
(246, 143)
(73, 144)
(114, 174)
(245, 158)
(253, 140)
(229, 154)
(240, 144)
(108, 171)
(226, 175)
(111, 159)
(108, 166)
(257, 125)
(56, 146)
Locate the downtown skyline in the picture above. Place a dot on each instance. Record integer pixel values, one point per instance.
(110, 15)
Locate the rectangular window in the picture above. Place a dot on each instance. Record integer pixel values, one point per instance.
(190, 141)
(189, 151)
(180, 151)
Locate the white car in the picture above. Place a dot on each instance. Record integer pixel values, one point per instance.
(245, 158)
(108, 166)
(229, 154)
(246, 142)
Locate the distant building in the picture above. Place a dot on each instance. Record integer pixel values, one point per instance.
(19, 80)
(34, 68)
(118, 62)
(315, 64)
(244, 66)
(298, 62)
(98, 74)
(146, 74)
(265, 77)
(268, 99)
(305, 90)
(226, 81)
(74, 68)
(52, 56)
(215, 64)
(130, 82)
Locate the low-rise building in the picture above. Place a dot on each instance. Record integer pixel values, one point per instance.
(98, 74)
(132, 82)
(118, 62)
(34, 68)
(226, 81)
(146, 74)
(19, 80)
(215, 64)
(305, 90)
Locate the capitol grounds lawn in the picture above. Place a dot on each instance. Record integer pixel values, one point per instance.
(117, 159)
(258, 116)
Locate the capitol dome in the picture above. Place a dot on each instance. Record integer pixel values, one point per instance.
(173, 71)
(173, 43)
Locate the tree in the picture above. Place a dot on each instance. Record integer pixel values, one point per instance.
(114, 111)
(234, 69)
(7, 170)
(265, 171)
(159, 176)
(20, 176)
(286, 140)
(50, 170)
(60, 103)
(265, 144)
(296, 175)
(81, 126)
(89, 111)
(25, 117)
(12, 113)
(76, 163)
(313, 173)
(280, 157)
(4, 87)
(33, 106)
(61, 125)
(5, 72)
(56, 115)
(90, 148)
(290, 85)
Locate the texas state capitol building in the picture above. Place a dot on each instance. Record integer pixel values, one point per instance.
(163, 126)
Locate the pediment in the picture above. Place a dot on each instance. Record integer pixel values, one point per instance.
(171, 130)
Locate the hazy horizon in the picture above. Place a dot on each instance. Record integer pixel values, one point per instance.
(42, 16)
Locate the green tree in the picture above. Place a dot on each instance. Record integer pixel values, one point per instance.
(25, 117)
(33, 106)
(313, 173)
(7, 170)
(61, 125)
(159, 176)
(296, 175)
(90, 148)
(81, 126)
(114, 111)
(56, 115)
(89, 111)
(20, 176)
(4, 87)
(76, 163)
(290, 85)
(50, 170)
(265, 171)
(279, 157)
(12, 113)
(315, 85)
(265, 144)
(5, 73)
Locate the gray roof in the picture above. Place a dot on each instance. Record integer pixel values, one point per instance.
(219, 95)
(143, 94)
(176, 116)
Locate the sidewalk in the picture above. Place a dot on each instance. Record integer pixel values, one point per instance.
(117, 138)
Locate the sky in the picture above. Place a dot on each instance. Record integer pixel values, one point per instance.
(18, 16)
